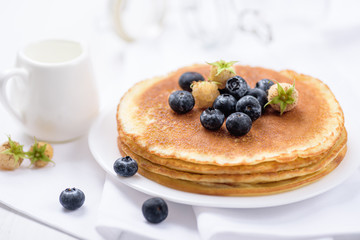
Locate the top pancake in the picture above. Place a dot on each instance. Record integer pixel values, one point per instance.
(313, 127)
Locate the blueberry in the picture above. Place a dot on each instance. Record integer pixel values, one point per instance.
(126, 166)
(238, 124)
(260, 95)
(250, 106)
(264, 84)
(212, 119)
(187, 78)
(181, 101)
(72, 198)
(225, 103)
(237, 87)
(155, 210)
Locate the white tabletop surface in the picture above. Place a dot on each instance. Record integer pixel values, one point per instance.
(327, 46)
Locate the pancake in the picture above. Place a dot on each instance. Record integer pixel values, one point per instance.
(265, 167)
(280, 153)
(242, 189)
(238, 178)
(145, 119)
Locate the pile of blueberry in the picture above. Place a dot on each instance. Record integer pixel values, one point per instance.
(239, 104)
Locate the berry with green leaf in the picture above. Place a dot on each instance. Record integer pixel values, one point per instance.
(11, 155)
(282, 97)
(40, 154)
(221, 71)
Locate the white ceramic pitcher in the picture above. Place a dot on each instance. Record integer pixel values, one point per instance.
(52, 92)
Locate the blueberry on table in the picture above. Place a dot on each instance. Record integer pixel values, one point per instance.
(225, 103)
(181, 101)
(260, 95)
(186, 79)
(264, 84)
(250, 106)
(72, 198)
(126, 166)
(155, 210)
(237, 86)
(238, 124)
(212, 119)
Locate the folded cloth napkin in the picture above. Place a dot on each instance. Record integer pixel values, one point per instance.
(332, 214)
(120, 211)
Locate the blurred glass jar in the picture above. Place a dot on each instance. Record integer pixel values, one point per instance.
(216, 22)
(136, 20)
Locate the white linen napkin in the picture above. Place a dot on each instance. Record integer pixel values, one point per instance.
(335, 213)
(120, 211)
(332, 214)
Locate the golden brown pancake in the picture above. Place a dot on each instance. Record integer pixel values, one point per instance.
(279, 153)
(237, 178)
(265, 167)
(146, 120)
(242, 189)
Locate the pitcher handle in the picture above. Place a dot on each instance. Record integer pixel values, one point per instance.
(5, 76)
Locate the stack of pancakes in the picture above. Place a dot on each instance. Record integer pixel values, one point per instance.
(280, 153)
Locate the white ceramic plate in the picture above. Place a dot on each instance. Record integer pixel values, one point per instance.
(103, 145)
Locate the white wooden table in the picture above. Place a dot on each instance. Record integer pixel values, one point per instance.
(16, 227)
